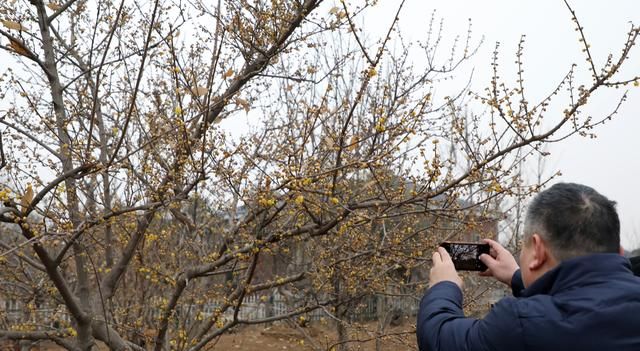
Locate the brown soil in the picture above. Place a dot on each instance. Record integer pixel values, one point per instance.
(281, 337)
(324, 337)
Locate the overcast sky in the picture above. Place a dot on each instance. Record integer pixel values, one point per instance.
(608, 163)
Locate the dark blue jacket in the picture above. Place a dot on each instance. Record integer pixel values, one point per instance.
(588, 303)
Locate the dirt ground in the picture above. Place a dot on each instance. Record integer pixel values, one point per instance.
(319, 337)
(280, 337)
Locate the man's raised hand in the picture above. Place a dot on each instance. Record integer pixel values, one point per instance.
(443, 269)
(500, 263)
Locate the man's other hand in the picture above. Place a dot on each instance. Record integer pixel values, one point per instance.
(500, 264)
(443, 269)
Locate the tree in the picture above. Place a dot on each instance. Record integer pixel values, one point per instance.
(136, 210)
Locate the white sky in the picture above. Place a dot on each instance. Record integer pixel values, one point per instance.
(608, 163)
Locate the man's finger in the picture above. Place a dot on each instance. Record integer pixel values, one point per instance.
(491, 242)
(444, 254)
(494, 245)
(487, 260)
(436, 258)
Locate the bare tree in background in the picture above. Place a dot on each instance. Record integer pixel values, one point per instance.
(128, 209)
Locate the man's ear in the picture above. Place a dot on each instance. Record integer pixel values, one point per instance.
(621, 251)
(540, 253)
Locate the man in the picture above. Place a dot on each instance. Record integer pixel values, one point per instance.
(572, 291)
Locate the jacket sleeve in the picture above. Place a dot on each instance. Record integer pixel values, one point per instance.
(441, 324)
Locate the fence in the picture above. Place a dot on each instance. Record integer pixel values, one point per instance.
(373, 307)
(253, 307)
(257, 306)
(368, 308)
(40, 316)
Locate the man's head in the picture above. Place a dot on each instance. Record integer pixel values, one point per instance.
(566, 221)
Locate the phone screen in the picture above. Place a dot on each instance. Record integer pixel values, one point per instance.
(465, 256)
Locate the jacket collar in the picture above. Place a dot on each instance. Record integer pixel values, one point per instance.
(578, 272)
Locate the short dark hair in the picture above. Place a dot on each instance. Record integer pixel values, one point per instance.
(575, 219)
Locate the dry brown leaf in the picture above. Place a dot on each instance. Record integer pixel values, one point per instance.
(228, 73)
(200, 91)
(243, 103)
(27, 197)
(54, 6)
(369, 184)
(353, 143)
(12, 25)
(19, 48)
(329, 141)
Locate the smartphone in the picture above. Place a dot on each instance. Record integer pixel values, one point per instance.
(466, 256)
